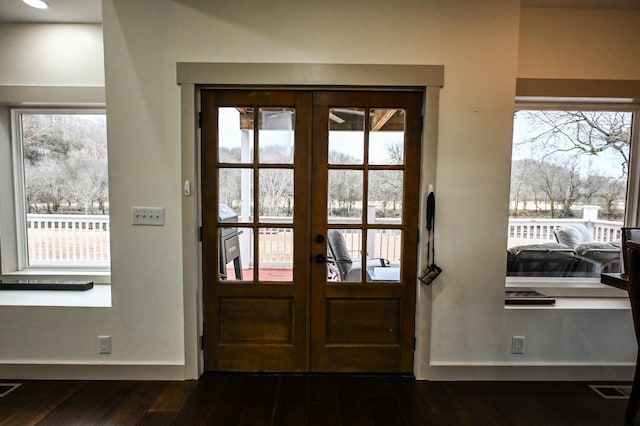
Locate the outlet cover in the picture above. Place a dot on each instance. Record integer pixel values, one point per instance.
(105, 344)
(517, 344)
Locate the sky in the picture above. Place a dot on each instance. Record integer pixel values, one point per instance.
(608, 162)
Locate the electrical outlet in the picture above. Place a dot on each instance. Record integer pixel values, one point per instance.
(105, 344)
(517, 344)
(153, 216)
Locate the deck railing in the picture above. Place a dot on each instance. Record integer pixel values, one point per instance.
(64, 239)
(535, 231)
(276, 244)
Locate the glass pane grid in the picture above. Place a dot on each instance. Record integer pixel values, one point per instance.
(365, 187)
(256, 177)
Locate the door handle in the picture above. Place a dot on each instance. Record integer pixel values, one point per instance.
(319, 238)
(321, 258)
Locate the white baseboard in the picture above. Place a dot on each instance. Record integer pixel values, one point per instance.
(92, 372)
(530, 372)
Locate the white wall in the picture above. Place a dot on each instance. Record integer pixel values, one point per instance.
(145, 320)
(469, 331)
(51, 55)
(586, 43)
(476, 43)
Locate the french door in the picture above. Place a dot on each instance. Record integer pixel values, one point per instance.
(309, 239)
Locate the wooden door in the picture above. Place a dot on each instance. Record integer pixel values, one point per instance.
(283, 174)
(255, 229)
(365, 206)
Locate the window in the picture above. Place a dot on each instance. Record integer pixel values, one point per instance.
(60, 191)
(569, 196)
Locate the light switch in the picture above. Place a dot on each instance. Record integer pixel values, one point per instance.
(153, 216)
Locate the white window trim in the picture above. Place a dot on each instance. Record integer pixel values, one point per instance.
(43, 97)
(587, 287)
(19, 193)
(17, 148)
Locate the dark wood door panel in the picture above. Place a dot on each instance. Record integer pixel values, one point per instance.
(263, 320)
(367, 321)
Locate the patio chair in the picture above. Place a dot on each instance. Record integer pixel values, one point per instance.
(542, 260)
(348, 269)
(600, 257)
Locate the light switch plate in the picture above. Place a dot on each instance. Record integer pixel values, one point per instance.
(153, 216)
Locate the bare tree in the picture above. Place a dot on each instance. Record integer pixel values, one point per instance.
(611, 193)
(570, 186)
(395, 152)
(548, 180)
(65, 161)
(345, 191)
(385, 187)
(86, 181)
(563, 145)
(276, 192)
(581, 132)
(522, 190)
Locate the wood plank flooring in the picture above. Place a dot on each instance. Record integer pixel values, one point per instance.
(254, 399)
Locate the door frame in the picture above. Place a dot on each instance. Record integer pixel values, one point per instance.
(191, 77)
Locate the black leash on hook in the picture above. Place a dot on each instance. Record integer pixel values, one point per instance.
(431, 271)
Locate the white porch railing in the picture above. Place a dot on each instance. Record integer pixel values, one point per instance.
(535, 231)
(71, 240)
(276, 244)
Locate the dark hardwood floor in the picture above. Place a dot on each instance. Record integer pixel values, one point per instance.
(245, 399)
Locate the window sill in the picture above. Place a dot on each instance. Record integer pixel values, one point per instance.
(97, 297)
(578, 288)
(97, 276)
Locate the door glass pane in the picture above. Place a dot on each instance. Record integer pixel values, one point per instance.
(276, 135)
(344, 255)
(346, 136)
(236, 253)
(385, 196)
(386, 136)
(275, 251)
(345, 196)
(235, 135)
(235, 190)
(384, 254)
(275, 195)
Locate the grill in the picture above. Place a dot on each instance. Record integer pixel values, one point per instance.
(229, 242)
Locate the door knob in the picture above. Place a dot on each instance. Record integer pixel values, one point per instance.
(321, 258)
(319, 238)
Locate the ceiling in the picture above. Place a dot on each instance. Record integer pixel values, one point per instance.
(62, 11)
(89, 11)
